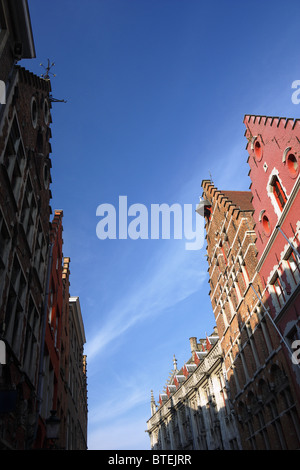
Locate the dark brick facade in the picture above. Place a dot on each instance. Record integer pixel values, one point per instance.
(34, 275)
(24, 212)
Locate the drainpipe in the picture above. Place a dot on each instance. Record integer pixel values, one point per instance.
(41, 364)
(289, 242)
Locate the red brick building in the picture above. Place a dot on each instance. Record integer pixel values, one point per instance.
(49, 376)
(252, 266)
(62, 389)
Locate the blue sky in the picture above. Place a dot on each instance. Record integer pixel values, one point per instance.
(156, 93)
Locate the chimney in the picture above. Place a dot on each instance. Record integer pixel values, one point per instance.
(193, 343)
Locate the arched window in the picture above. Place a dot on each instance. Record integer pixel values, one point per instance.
(263, 390)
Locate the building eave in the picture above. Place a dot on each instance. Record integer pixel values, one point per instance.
(22, 27)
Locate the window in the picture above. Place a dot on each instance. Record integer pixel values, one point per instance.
(14, 159)
(266, 225)
(278, 192)
(294, 267)
(56, 328)
(279, 441)
(2, 92)
(263, 432)
(223, 252)
(40, 254)
(34, 112)
(236, 288)
(5, 241)
(258, 150)
(252, 344)
(46, 176)
(231, 306)
(29, 212)
(266, 334)
(48, 389)
(50, 306)
(278, 290)
(2, 22)
(15, 307)
(244, 271)
(31, 339)
(292, 164)
(223, 315)
(46, 111)
(208, 212)
(233, 444)
(223, 393)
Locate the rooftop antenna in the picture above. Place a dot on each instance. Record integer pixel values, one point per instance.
(210, 176)
(46, 76)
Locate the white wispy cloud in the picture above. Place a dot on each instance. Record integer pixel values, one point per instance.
(114, 407)
(173, 277)
(121, 434)
(119, 421)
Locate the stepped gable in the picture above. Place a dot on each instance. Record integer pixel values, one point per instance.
(241, 199)
(33, 80)
(57, 220)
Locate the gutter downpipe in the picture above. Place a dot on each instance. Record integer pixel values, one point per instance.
(289, 242)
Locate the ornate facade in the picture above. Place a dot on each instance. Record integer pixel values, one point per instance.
(195, 413)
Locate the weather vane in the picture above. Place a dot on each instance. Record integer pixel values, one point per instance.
(46, 76)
